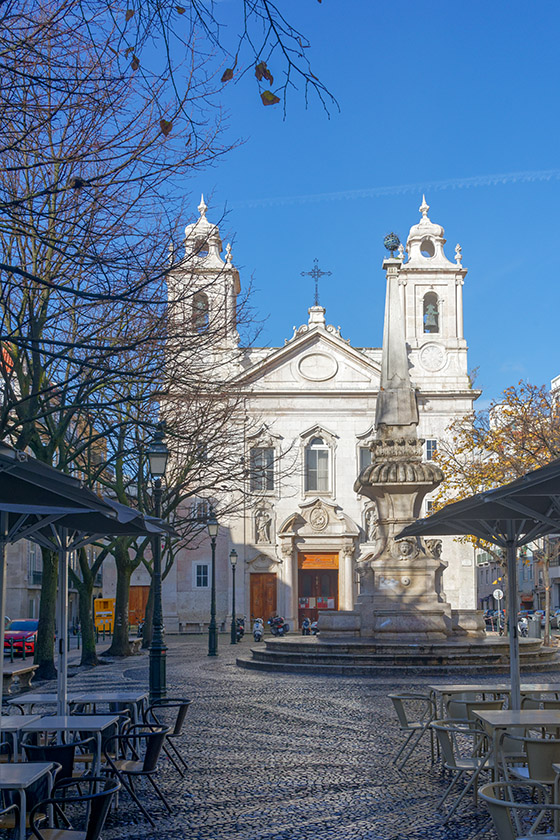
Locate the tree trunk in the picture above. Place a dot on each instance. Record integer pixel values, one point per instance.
(148, 629)
(44, 647)
(120, 645)
(85, 595)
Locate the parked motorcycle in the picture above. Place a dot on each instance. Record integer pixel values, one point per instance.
(258, 629)
(239, 628)
(314, 628)
(306, 627)
(278, 627)
(523, 627)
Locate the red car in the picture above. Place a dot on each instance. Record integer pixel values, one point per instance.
(21, 631)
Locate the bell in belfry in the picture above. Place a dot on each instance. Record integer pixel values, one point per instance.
(431, 316)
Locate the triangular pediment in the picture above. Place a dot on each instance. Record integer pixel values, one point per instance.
(317, 360)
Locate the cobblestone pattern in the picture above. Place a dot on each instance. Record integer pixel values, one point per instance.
(283, 757)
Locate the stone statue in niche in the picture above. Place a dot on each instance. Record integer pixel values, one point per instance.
(371, 519)
(263, 526)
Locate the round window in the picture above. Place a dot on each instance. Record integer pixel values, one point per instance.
(427, 248)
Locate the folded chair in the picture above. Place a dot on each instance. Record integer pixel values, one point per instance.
(162, 713)
(63, 803)
(415, 713)
(139, 749)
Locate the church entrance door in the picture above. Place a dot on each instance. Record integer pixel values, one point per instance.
(263, 595)
(317, 584)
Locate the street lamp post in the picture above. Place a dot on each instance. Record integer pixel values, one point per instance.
(212, 628)
(157, 457)
(233, 561)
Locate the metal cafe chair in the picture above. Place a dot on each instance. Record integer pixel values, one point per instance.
(138, 750)
(415, 713)
(160, 714)
(464, 752)
(62, 754)
(518, 809)
(96, 802)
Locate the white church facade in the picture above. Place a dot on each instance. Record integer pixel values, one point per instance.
(302, 529)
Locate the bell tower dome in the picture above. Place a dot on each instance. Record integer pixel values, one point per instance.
(431, 288)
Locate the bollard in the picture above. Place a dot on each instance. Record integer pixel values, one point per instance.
(78, 639)
(11, 650)
(103, 632)
(68, 646)
(24, 650)
(97, 634)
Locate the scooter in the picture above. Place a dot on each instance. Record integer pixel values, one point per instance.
(314, 628)
(306, 627)
(278, 627)
(239, 628)
(258, 629)
(523, 627)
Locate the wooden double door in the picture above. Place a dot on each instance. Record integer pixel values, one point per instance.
(263, 596)
(317, 585)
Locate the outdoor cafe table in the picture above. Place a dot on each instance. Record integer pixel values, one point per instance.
(127, 697)
(12, 725)
(19, 777)
(74, 723)
(501, 719)
(450, 689)
(35, 698)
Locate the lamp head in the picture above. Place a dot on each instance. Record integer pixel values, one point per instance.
(233, 557)
(158, 453)
(212, 525)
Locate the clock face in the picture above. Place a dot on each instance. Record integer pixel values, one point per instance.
(432, 357)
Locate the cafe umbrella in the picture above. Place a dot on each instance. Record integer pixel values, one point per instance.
(50, 508)
(509, 517)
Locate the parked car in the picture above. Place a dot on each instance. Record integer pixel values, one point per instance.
(555, 619)
(21, 631)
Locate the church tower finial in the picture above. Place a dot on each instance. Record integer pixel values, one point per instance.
(202, 207)
(424, 207)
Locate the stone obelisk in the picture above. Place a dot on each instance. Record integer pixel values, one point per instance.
(400, 583)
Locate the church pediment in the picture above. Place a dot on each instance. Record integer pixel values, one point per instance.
(316, 360)
(319, 517)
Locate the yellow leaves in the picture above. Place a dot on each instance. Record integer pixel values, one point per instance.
(135, 63)
(268, 98)
(166, 126)
(128, 15)
(180, 10)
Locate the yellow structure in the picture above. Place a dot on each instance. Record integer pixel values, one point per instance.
(104, 614)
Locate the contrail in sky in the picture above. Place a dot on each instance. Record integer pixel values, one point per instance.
(402, 189)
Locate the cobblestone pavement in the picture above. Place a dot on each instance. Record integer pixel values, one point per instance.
(283, 757)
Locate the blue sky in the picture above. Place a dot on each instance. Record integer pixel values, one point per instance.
(438, 98)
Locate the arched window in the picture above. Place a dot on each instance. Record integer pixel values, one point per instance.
(431, 313)
(200, 315)
(317, 466)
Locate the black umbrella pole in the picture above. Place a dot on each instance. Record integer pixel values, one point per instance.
(511, 556)
(158, 650)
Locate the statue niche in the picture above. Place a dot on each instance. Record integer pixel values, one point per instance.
(431, 313)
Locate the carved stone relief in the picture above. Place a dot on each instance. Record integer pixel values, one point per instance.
(319, 517)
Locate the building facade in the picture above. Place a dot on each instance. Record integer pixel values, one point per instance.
(302, 528)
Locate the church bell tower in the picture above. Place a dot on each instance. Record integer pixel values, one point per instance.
(431, 289)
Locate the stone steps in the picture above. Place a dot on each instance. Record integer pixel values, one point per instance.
(365, 658)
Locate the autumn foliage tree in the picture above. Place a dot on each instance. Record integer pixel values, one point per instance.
(489, 448)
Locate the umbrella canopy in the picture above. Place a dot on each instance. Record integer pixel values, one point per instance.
(39, 503)
(509, 516)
